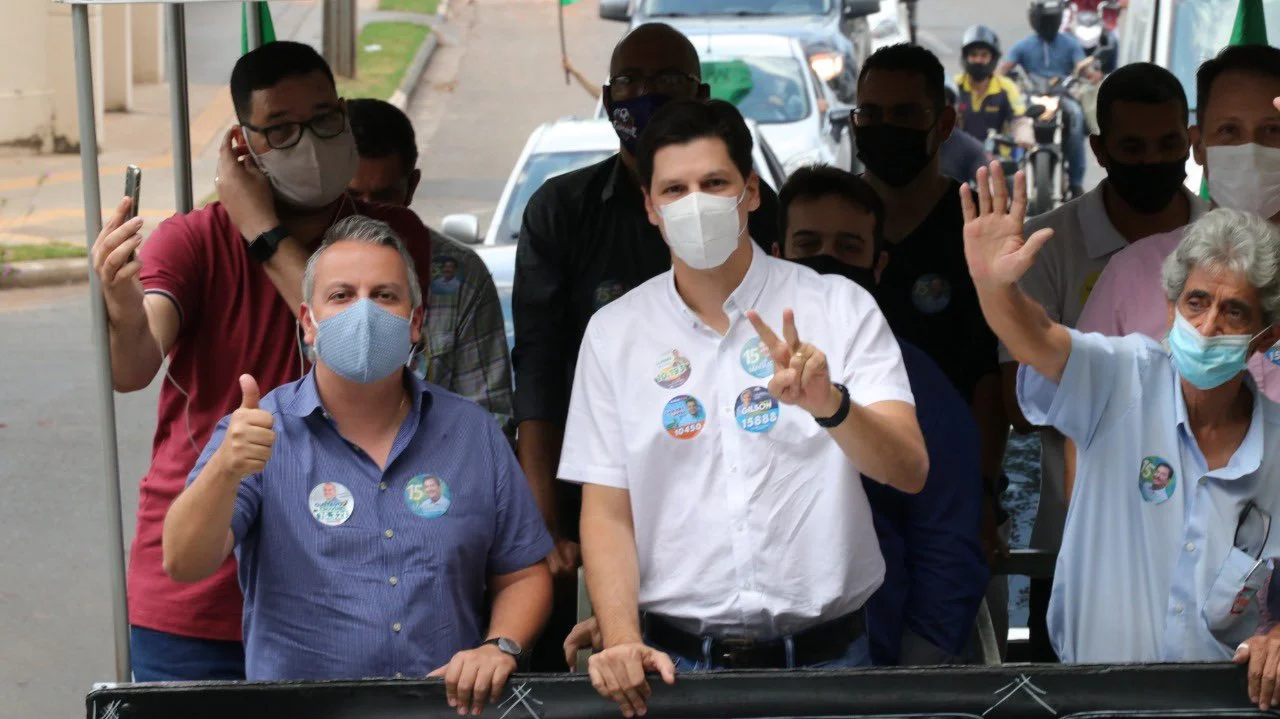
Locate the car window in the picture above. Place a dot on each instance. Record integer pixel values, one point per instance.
(540, 167)
(769, 90)
(1201, 28)
(679, 8)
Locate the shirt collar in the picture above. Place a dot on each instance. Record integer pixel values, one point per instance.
(744, 296)
(617, 181)
(1248, 456)
(1101, 238)
(305, 399)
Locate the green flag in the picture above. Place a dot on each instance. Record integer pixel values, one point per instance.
(729, 80)
(567, 2)
(264, 14)
(1250, 29)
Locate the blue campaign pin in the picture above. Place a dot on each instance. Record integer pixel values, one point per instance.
(428, 496)
(684, 417)
(756, 359)
(331, 503)
(673, 370)
(756, 410)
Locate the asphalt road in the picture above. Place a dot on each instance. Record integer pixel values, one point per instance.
(496, 78)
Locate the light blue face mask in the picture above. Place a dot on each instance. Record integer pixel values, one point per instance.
(363, 343)
(1207, 362)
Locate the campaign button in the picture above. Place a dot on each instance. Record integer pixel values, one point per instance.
(428, 496)
(684, 417)
(673, 370)
(756, 359)
(331, 503)
(756, 410)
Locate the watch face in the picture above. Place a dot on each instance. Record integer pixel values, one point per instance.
(510, 646)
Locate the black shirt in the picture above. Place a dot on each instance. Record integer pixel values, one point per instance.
(585, 241)
(962, 156)
(928, 297)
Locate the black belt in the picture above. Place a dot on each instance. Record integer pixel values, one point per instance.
(826, 642)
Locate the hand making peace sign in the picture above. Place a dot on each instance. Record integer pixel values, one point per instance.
(800, 375)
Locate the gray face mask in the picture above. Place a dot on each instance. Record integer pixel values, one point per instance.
(313, 172)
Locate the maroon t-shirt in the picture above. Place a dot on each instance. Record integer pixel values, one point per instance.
(233, 321)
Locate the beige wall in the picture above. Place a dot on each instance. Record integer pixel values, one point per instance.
(117, 58)
(26, 99)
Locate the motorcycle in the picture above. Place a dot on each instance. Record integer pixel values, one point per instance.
(1095, 29)
(1047, 173)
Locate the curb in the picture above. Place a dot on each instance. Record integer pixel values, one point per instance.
(409, 83)
(43, 273)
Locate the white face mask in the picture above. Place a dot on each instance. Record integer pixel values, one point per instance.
(1245, 178)
(702, 229)
(313, 172)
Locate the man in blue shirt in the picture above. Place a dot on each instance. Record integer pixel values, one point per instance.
(370, 511)
(935, 573)
(1050, 53)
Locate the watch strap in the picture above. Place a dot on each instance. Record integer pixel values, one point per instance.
(264, 246)
(841, 414)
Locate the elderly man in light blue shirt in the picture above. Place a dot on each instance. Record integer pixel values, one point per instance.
(1168, 539)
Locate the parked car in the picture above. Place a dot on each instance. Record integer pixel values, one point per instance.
(553, 149)
(889, 26)
(767, 78)
(836, 34)
(1180, 35)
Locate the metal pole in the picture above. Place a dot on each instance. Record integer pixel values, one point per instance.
(584, 613)
(101, 341)
(339, 36)
(254, 13)
(176, 67)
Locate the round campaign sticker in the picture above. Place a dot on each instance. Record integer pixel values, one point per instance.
(428, 496)
(1087, 288)
(608, 291)
(673, 370)
(931, 293)
(1273, 354)
(331, 503)
(1156, 480)
(756, 409)
(684, 417)
(756, 359)
(446, 278)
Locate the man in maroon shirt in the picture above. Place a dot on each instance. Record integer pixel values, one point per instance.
(216, 292)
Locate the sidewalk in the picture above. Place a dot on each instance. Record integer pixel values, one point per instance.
(41, 198)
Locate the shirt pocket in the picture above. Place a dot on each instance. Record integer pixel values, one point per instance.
(1231, 610)
(350, 546)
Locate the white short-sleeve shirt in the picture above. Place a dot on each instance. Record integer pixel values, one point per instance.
(1149, 570)
(749, 519)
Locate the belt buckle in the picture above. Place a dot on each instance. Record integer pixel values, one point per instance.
(735, 652)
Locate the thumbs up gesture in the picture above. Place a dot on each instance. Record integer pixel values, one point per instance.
(247, 445)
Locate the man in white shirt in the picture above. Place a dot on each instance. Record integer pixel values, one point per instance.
(1143, 145)
(785, 552)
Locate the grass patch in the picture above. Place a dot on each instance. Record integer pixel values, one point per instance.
(426, 7)
(27, 253)
(378, 74)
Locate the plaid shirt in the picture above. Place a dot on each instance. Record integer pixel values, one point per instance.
(465, 335)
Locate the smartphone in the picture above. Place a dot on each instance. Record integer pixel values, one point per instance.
(132, 189)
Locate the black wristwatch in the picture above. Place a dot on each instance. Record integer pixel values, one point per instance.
(264, 246)
(506, 646)
(841, 414)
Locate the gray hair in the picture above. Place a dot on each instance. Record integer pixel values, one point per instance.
(1232, 241)
(369, 231)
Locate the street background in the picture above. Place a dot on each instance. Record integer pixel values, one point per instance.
(495, 77)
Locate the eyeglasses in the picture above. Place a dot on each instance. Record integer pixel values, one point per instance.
(622, 87)
(905, 115)
(287, 134)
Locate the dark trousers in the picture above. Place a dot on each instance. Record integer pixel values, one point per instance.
(163, 657)
(1037, 627)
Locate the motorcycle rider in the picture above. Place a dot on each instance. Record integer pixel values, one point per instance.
(1050, 53)
(1109, 11)
(987, 101)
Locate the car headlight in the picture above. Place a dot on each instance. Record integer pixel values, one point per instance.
(827, 65)
(887, 27)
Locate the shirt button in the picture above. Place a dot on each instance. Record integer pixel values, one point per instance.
(395, 627)
(389, 534)
(394, 581)
(1177, 608)
(382, 486)
(1203, 481)
(733, 468)
(1191, 546)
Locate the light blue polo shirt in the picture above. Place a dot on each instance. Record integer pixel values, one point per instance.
(1050, 59)
(1148, 570)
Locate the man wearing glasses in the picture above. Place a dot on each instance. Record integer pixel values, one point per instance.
(216, 292)
(583, 232)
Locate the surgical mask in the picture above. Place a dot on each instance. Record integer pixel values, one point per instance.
(630, 117)
(828, 265)
(702, 229)
(363, 343)
(313, 172)
(1245, 177)
(1207, 362)
(1147, 187)
(895, 155)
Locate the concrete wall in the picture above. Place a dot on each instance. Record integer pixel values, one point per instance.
(117, 58)
(26, 98)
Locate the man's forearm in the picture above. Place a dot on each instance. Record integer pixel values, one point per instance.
(887, 449)
(135, 355)
(1026, 329)
(538, 449)
(197, 525)
(521, 607)
(285, 269)
(612, 571)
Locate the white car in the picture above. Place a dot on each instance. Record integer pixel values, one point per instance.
(889, 26)
(1180, 35)
(553, 149)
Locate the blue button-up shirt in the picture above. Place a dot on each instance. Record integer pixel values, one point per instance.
(1049, 59)
(397, 587)
(935, 575)
(1149, 569)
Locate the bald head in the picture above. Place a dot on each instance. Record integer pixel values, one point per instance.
(653, 48)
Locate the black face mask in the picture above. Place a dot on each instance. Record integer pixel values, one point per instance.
(1048, 26)
(895, 155)
(828, 265)
(979, 71)
(1147, 188)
